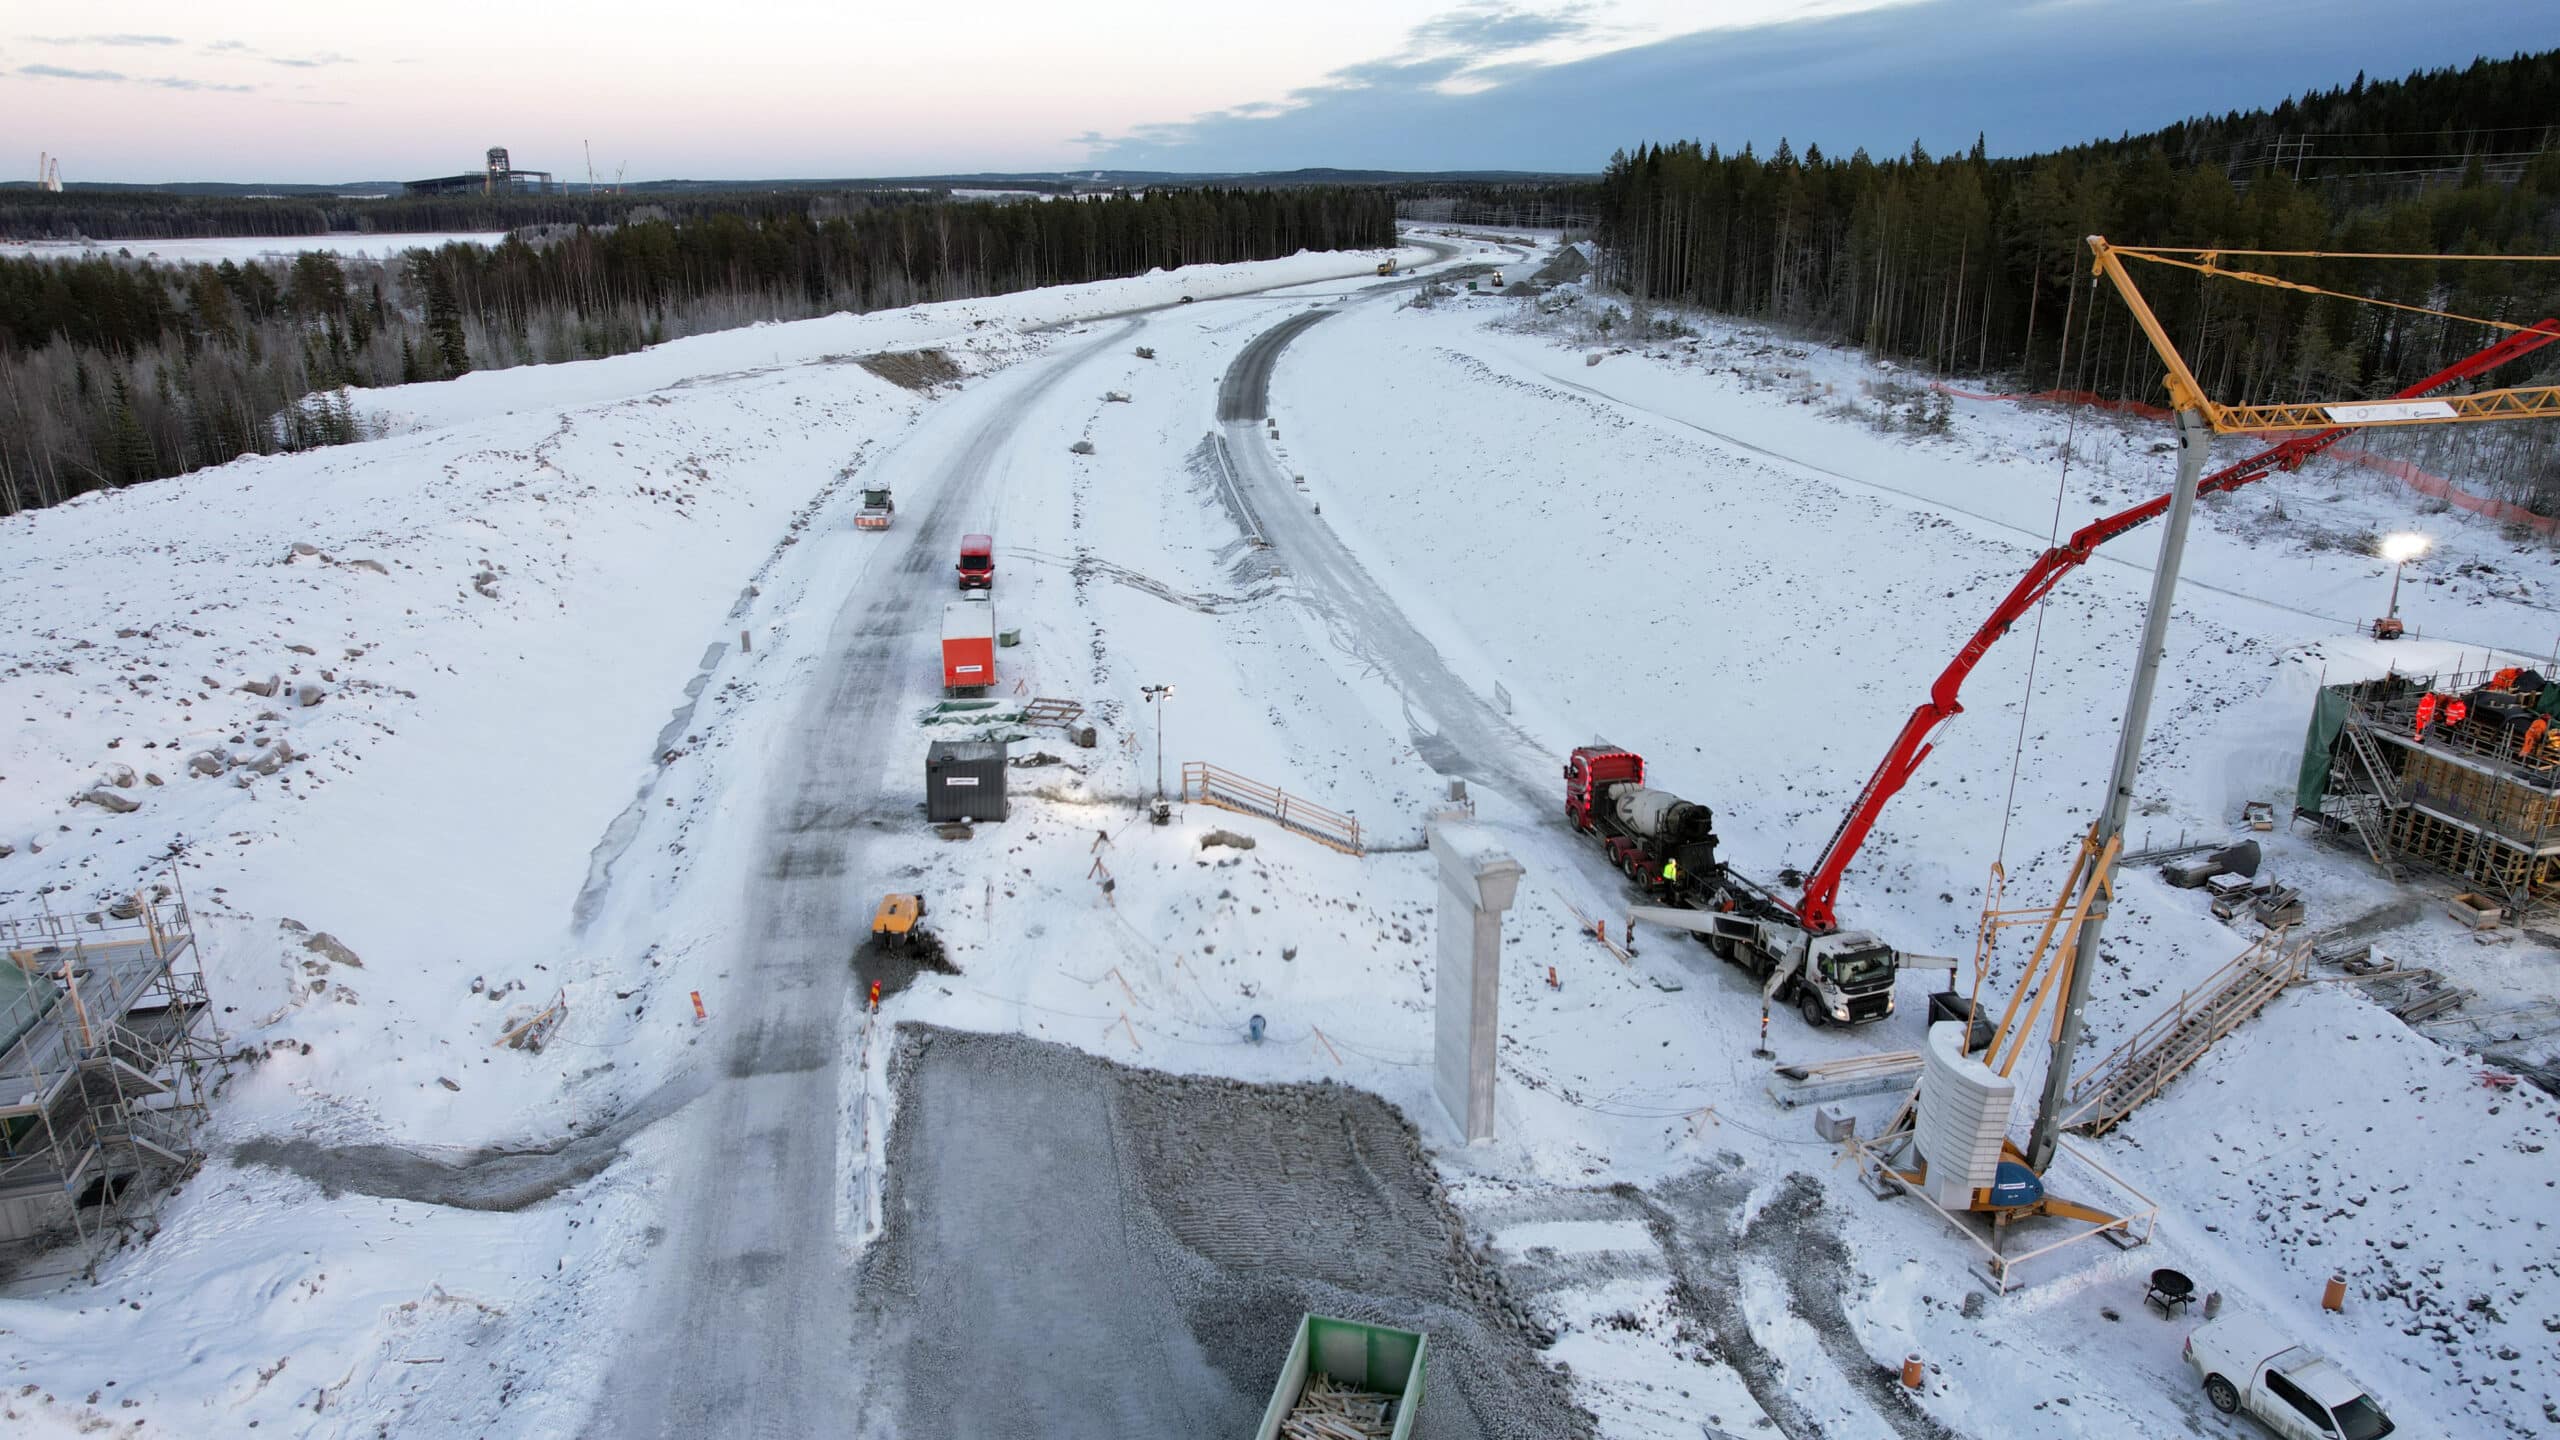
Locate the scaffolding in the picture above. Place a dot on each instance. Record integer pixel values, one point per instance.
(110, 1051)
(2476, 797)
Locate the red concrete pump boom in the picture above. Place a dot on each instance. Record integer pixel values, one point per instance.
(1822, 887)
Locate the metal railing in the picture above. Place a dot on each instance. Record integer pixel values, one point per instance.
(2179, 1036)
(1210, 785)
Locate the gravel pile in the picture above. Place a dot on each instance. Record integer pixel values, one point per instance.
(1127, 1253)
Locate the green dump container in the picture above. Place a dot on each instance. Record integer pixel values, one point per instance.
(1364, 1357)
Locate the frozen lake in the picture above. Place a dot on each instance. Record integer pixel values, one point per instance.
(212, 249)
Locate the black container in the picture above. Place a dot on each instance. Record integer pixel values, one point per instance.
(1948, 1005)
(964, 780)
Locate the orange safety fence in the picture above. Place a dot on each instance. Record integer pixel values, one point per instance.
(2425, 482)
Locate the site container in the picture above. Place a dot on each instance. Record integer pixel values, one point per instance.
(1375, 1358)
(968, 645)
(964, 780)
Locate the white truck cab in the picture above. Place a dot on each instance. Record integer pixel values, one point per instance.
(2247, 1364)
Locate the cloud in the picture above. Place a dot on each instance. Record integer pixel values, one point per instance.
(56, 72)
(218, 47)
(1470, 89)
(310, 63)
(105, 39)
(1488, 27)
(118, 77)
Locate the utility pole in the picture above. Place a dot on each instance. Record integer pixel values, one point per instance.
(1156, 696)
(2195, 439)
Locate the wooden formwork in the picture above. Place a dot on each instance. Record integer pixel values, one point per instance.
(2507, 805)
(2507, 866)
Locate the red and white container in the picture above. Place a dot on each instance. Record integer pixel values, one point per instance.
(968, 645)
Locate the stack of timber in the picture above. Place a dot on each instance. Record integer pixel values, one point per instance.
(1330, 1411)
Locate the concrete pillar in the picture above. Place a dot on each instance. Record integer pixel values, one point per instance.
(1477, 883)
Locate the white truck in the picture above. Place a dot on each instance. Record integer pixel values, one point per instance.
(2247, 1364)
(1843, 978)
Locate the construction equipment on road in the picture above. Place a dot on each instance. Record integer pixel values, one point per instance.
(1345, 1380)
(877, 509)
(968, 645)
(1386, 267)
(1667, 846)
(897, 923)
(977, 565)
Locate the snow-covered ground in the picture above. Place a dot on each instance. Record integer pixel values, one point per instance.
(1694, 549)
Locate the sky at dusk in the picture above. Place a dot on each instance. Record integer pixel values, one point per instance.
(305, 92)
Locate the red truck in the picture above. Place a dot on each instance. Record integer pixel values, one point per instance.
(968, 645)
(977, 562)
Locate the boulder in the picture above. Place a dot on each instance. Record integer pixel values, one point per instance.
(272, 758)
(310, 692)
(329, 947)
(120, 776)
(268, 686)
(110, 799)
(208, 763)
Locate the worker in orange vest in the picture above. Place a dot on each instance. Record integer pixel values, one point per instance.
(2533, 734)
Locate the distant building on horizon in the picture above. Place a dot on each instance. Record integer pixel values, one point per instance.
(498, 178)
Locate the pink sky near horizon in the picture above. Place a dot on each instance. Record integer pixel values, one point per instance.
(306, 92)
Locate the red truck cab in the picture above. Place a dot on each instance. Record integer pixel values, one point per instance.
(1588, 777)
(977, 562)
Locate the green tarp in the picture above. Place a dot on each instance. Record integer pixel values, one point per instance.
(2328, 717)
(23, 1000)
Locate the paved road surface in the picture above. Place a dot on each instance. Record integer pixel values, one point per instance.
(748, 1330)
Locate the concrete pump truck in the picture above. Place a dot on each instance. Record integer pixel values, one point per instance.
(1667, 846)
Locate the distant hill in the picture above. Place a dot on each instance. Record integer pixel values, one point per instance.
(1050, 181)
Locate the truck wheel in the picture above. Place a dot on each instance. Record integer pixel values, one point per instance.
(1722, 947)
(1810, 1002)
(2224, 1395)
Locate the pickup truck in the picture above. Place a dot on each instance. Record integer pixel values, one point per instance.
(2247, 1364)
